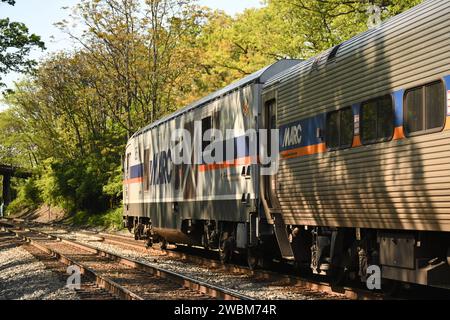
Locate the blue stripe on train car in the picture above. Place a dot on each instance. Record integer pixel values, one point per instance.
(447, 89)
(398, 105)
(241, 150)
(301, 133)
(136, 171)
(447, 82)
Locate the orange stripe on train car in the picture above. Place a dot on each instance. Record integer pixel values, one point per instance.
(304, 151)
(357, 142)
(447, 124)
(227, 164)
(399, 133)
(135, 180)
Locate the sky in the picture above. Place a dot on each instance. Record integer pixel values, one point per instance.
(40, 15)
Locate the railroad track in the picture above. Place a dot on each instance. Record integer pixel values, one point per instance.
(123, 277)
(315, 285)
(283, 279)
(88, 289)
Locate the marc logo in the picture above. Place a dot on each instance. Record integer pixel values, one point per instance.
(292, 136)
(74, 280)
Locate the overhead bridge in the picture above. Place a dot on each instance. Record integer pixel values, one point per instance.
(8, 172)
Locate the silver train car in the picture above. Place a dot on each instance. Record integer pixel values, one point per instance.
(364, 160)
(197, 203)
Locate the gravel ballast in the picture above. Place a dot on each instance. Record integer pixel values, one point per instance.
(22, 277)
(241, 283)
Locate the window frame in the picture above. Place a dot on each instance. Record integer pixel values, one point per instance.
(341, 146)
(444, 110)
(377, 140)
(146, 170)
(209, 119)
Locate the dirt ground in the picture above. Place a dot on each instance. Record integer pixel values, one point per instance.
(44, 214)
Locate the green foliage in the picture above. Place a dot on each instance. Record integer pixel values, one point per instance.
(135, 62)
(114, 187)
(28, 196)
(73, 185)
(111, 219)
(16, 44)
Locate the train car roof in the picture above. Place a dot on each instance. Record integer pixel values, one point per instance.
(354, 46)
(259, 77)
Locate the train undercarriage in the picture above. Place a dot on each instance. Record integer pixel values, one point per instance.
(230, 239)
(400, 256)
(341, 254)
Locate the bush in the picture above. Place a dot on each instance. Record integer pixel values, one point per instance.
(74, 185)
(81, 187)
(28, 197)
(111, 219)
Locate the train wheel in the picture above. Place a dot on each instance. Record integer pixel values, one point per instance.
(137, 235)
(338, 276)
(164, 244)
(149, 243)
(205, 242)
(226, 251)
(253, 257)
(390, 287)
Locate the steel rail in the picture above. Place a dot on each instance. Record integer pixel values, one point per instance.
(178, 278)
(102, 281)
(344, 291)
(315, 285)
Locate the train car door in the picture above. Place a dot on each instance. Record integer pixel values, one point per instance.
(270, 201)
(127, 177)
(269, 181)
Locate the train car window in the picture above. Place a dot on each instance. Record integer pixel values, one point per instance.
(206, 125)
(385, 124)
(414, 111)
(332, 130)
(346, 128)
(217, 120)
(340, 129)
(146, 169)
(377, 120)
(435, 106)
(127, 174)
(368, 123)
(187, 169)
(425, 109)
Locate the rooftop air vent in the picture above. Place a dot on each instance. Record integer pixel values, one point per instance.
(333, 53)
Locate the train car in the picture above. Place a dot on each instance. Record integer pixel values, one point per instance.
(197, 204)
(364, 160)
(366, 181)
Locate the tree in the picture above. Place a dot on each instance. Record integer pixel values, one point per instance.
(15, 46)
(140, 51)
(139, 60)
(316, 25)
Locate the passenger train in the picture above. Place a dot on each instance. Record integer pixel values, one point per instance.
(363, 164)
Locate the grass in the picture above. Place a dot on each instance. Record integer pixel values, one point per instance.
(112, 219)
